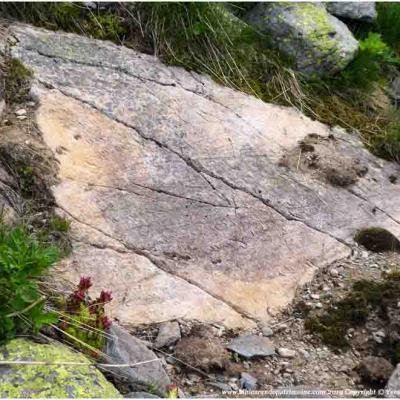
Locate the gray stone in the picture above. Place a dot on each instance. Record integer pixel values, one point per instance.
(317, 42)
(247, 381)
(286, 353)
(141, 395)
(168, 333)
(252, 346)
(220, 385)
(267, 331)
(355, 10)
(393, 385)
(123, 348)
(180, 201)
(20, 112)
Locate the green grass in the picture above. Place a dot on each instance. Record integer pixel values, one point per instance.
(206, 38)
(23, 262)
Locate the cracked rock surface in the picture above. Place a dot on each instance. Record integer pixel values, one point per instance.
(179, 200)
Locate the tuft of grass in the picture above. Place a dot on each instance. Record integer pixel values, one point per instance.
(23, 262)
(388, 23)
(208, 38)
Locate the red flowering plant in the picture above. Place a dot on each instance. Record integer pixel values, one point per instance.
(85, 319)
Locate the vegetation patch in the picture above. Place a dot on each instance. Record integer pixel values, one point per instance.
(377, 239)
(364, 298)
(24, 260)
(17, 81)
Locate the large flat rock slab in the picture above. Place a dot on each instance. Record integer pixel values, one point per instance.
(184, 196)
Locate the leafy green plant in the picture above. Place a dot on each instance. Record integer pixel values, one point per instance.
(84, 320)
(23, 261)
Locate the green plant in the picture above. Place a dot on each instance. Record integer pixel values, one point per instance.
(84, 320)
(17, 81)
(23, 261)
(388, 23)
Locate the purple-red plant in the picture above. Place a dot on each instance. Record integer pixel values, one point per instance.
(87, 313)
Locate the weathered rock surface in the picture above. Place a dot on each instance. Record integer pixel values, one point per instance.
(122, 348)
(43, 381)
(393, 385)
(317, 42)
(179, 199)
(355, 10)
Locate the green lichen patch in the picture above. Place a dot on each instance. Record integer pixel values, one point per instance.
(377, 239)
(55, 381)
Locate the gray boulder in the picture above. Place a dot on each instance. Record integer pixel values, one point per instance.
(315, 41)
(355, 10)
(392, 388)
(123, 348)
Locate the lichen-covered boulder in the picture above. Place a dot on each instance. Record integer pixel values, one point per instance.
(44, 381)
(315, 41)
(355, 10)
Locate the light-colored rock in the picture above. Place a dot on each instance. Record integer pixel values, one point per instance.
(175, 188)
(43, 381)
(168, 333)
(317, 42)
(355, 10)
(247, 381)
(286, 353)
(252, 346)
(123, 348)
(20, 112)
(392, 388)
(140, 395)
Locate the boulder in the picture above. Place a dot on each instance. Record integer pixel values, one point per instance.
(354, 10)
(375, 370)
(123, 348)
(393, 385)
(188, 199)
(315, 41)
(44, 381)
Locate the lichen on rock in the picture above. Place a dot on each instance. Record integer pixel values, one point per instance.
(314, 40)
(41, 381)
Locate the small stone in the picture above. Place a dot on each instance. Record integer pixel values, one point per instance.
(318, 305)
(378, 336)
(21, 117)
(267, 331)
(168, 334)
(20, 112)
(252, 346)
(286, 353)
(31, 104)
(334, 272)
(220, 385)
(315, 296)
(140, 395)
(248, 381)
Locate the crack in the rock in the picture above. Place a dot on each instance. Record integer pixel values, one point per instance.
(153, 189)
(373, 206)
(160, 264)
(194, 164)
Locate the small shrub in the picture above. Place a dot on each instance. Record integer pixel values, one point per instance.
(85, 319)
(23, 261)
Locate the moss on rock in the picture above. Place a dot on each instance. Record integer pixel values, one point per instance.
(55, 381)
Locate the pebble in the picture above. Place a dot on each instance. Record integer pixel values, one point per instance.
(267, 331)
(20, 112)
(286, 353)
(31, 104)
(315, 296)
(247, 381)
(168, 334)
(21, 117)
(334, 272)
(318, 305)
